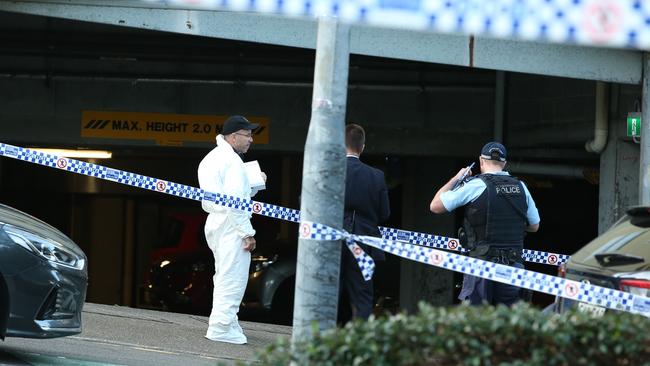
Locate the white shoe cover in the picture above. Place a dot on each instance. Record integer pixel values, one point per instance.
(232, 335)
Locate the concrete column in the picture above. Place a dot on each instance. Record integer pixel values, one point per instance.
(619, 165)
(644, 173)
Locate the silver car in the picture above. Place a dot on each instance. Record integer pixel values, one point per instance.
(618, 259)
(43, 278)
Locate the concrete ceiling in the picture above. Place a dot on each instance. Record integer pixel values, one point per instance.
(612, 65)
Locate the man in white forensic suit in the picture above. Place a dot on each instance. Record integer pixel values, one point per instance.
(228, 231)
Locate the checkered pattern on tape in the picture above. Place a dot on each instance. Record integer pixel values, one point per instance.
(405, 250)
(380, 243)
(609, 298)
(184, 191)
(395, 234)
(613, 22)
(421, 254)
(519, 277)
(413, 237)
(36, 157)
(231, 201)
(81, 167)
(280, 212)
(442, 242)
(470, 266)
(322, 232)
(365, 262)
(429, 240)
(137, 180)
(315, 231)
(283, 213)
(543, 257)
(538, 281)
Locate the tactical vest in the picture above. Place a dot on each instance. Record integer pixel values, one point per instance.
(497, 218)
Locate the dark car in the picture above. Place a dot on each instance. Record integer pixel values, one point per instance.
(617, 259)
(180, 276)
(43, 278)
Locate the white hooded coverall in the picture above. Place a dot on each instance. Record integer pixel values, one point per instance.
(222, 171)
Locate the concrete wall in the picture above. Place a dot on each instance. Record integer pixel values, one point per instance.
(405, 122)
(619, 165)
(543, 114)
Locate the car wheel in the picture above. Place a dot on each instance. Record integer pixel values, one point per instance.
(4, 307)
(282, 304)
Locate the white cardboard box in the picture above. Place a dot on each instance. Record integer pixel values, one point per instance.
(254, 174)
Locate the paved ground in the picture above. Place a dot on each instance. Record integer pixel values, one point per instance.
(115, 335)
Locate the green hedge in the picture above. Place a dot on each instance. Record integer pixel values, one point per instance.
(470, 335)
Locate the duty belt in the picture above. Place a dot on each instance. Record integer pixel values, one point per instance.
(503, 255)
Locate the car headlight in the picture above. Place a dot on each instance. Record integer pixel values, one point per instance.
(47, 248)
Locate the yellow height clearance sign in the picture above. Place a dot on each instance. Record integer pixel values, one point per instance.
(165, 129)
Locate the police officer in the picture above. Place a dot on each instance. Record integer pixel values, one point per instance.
(498, 211)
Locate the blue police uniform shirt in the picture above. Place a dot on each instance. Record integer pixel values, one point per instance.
(472, 189)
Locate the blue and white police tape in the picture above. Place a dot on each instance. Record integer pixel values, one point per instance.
(315, 231)
(366, 263)
(616, 23)
(596, 295)
(599, 296)
(260, 208)
(443, 242)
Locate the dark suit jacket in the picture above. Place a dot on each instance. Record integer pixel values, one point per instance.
(366, 202)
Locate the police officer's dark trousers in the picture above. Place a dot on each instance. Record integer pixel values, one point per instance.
(480, 291)
(491, 292)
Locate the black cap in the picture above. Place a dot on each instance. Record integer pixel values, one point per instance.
(236, 123)
(494, 151)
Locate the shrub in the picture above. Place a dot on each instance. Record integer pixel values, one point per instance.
(471, 335)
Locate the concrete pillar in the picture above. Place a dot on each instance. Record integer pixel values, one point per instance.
(644, 186)
(619, 165)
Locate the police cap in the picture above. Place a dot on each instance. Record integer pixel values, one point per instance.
(494, 151)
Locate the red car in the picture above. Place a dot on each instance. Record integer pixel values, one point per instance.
(180, 275)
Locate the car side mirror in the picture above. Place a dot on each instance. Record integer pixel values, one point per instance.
(639, 216)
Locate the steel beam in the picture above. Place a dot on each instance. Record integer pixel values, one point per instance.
(611, 65)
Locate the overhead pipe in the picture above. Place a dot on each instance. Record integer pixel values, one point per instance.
(357, 86)
(601, 125)
(553, 170)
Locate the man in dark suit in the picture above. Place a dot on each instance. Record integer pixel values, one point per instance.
(366, 205)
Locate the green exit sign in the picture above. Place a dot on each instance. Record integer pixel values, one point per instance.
(634, 124)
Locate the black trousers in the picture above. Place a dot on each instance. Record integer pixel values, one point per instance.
(360, 292)
(480, 291)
